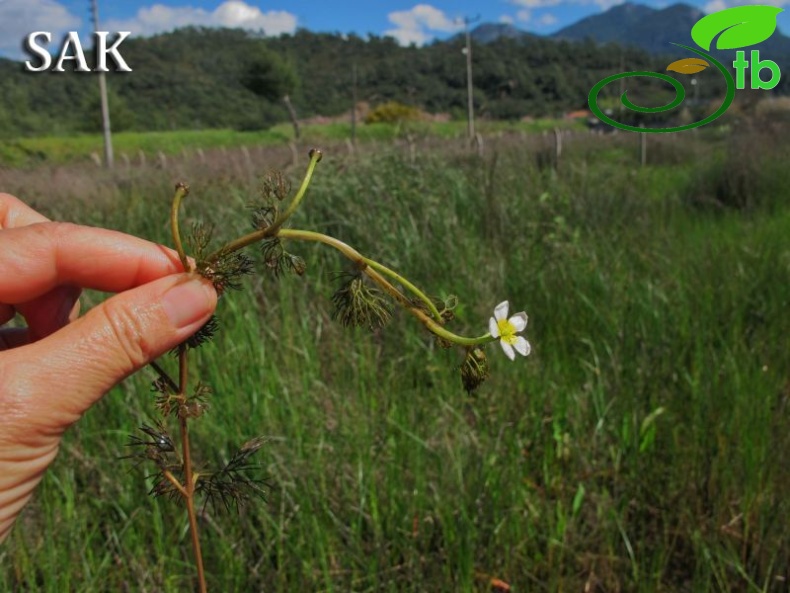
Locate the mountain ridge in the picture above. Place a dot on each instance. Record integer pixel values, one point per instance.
(631, 24)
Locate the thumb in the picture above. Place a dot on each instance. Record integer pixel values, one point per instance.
(55, 380)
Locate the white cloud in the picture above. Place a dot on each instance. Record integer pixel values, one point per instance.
(232, 13)
(524, 16)
(547, 20)
(607, 4)
(20, 17)
(535, 3)
(714, 6)
(507, 19)
(418, 24)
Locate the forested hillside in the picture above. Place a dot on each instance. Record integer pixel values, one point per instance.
(199, 78)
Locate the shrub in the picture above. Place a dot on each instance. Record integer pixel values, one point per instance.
(752, 172)
(393, 112)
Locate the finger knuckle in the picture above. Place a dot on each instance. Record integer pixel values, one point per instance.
(60, 232)
(127, 327)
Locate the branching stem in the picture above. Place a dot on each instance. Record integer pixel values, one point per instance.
(378, 273)
(174, 481)
(406, 284)
(371, 270)
(315, 157)
(188, 491)
(181, 192)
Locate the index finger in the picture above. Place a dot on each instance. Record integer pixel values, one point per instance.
(15, 213)
(36, 258)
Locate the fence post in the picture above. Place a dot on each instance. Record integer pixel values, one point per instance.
(643, 147)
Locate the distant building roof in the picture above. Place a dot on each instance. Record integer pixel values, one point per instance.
(579, 114)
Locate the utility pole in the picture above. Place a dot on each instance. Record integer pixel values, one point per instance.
(354, 103)
(470, 103)
(105, 107)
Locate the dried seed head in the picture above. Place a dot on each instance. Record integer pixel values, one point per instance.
(296, 264)
(357, 304)
(278, 260)
(264, 217)
(226, 271)
(474, 369)
(237, 482)
(274, 187)
(203, 335)
(199, 239)
(448, 307)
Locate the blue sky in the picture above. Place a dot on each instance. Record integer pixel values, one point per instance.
(408, 21)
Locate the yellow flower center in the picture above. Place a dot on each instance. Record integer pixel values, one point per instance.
(507, 331)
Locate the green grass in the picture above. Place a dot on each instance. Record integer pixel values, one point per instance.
(33, 151)
(640, 447)
(65, 149)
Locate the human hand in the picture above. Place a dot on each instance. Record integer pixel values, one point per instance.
(52, 371)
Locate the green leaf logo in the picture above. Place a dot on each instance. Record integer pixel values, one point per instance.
(740, 26)
(688, 66)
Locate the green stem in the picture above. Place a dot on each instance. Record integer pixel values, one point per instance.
(239, 243)
(343, 248)
(174, 481)
(408, 285)
(371, 269)
(181, 191)
(429, 323)
(315, 157)
(261, 234)
(189, 478)
(274, 229)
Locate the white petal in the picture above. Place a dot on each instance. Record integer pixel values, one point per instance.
(493, 328)
(522, 346)
(500, 312)
(519, 321)
(508, 350)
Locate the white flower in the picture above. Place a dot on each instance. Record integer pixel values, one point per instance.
(506, 329)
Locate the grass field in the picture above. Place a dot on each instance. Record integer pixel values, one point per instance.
(643, 445)
(136, 146)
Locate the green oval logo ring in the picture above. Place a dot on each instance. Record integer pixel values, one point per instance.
(680, 95)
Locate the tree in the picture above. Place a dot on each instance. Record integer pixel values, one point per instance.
(273, 78)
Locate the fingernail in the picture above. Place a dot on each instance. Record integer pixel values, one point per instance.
(188, 302)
